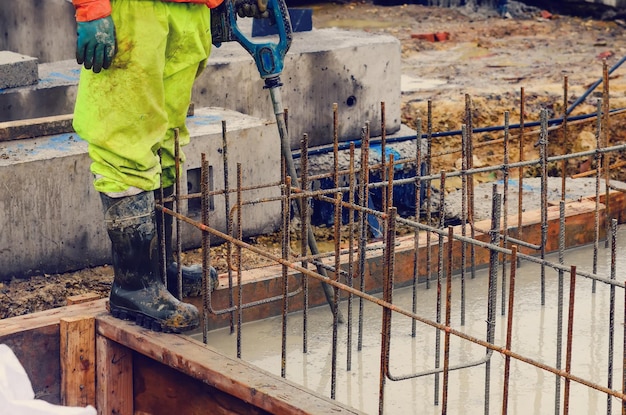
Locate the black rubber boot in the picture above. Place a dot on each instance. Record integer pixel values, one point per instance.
(137, 292)
(192, 274)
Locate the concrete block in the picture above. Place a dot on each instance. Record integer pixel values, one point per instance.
(43, 29)
(51, 217)
(356, 70)
(17, 70)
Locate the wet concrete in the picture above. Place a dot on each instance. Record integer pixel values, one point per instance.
(534, 336)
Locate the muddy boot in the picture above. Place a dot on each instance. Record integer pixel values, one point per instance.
(138, 292)
(192, 275)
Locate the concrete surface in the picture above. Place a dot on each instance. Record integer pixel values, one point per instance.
(51, 217)
(17, 70)
(45, 29)
(356, 70)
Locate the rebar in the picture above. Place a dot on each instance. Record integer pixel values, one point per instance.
(352, 200)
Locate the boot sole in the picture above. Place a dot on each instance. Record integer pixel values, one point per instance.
(145, 321)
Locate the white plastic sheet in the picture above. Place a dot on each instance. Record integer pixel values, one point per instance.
(16, 392)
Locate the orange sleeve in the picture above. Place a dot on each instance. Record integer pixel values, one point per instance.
(88, 10)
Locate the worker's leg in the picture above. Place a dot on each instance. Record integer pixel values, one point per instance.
(121, 113)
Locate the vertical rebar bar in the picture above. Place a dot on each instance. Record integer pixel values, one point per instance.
(388, 270)
(624, 357)
(611, 340)
(161, 218)
(440, 271)
(304, 220)
(464, 195)
(364, 194)
(598, 161)
(505, 206)
(496, 205)
(429, 202)
(337, 237)
(229, 224)
(416, 233)
(570, 331)
(543, 151)
(520, 172)
(605, 143)
(239, 206)
(206, 246)
(564, 143)
(509, 331)
(559, 315)
(179, 242)
(350, 279)
(383, 155)
(335, 145)
(285, 270)
(469, 122)
(446, 339)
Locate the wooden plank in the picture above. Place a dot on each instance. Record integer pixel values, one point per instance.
(81, 298)
(50, 317)
(78, 361)
(232, 376)
(114, 383)
(36, 127)
(160, 389)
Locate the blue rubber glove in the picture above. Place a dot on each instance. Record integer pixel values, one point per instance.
(95, 46)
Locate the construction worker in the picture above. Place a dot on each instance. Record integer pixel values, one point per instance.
(140, 60)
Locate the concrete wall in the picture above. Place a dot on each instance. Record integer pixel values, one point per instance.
(44, 29)
(51, 218)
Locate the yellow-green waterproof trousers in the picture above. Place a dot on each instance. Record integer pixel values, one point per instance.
(128, 112)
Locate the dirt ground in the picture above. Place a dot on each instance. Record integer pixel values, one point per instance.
(489, 57)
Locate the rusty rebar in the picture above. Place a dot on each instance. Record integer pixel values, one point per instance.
(559, 315)
(336, 291)
(285, 208)
(570, 334)
(416, 233)
(565, 140)
(598, 162)
(505, 206)
(509, 331)
(351, 237)
(394, 308)
(440, 271)
(520, 171)
(304, 223)
(605, 143)
(611, 339)
(363, 199)
(239, 262)
(388, 269)
(229, 222)
(446, 338)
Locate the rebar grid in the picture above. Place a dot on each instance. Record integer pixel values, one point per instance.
(502, 249)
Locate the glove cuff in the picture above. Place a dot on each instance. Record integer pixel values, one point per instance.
(88, 10)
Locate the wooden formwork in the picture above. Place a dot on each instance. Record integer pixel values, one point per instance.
(79, 355)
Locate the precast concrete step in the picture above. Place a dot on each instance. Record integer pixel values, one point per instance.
(51, 219)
